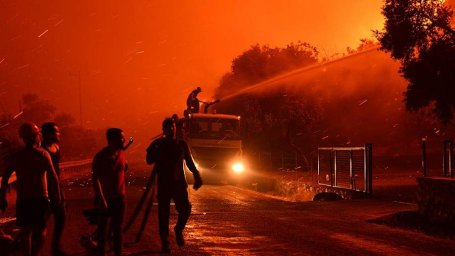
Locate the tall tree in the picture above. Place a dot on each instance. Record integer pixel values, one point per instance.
(36, 109)
(262, 62)
(270, 119)
(420, 35)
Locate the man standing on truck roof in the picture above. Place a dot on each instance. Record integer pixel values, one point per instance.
(192, 102)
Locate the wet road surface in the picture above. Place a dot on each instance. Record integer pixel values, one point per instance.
(228, 220)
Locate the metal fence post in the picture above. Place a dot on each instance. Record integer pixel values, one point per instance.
(450, 159)
(351, 173)
(447, 169)
(335, 169)
(331, 169)
(368, 172)
(444, 158)
(319, 174)
(424, 157)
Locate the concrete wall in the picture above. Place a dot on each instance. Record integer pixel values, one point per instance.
(436, 198)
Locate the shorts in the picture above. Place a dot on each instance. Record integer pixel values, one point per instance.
(32, 213)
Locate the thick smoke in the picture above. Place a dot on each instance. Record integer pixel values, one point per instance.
(360, 100)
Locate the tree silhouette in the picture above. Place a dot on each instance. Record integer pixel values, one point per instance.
(76, 141)
(419, 34)
(262, 62)
(64, 119)
(36, 109)
(271, 119)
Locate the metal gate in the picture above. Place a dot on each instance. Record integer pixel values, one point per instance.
(447, 160)
(346, 167)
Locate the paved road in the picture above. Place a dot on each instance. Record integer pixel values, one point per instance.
(228, 220)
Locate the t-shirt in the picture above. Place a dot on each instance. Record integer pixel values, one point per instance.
(168, 155)
(109, 168)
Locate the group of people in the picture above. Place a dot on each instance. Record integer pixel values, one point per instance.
(38, 187)
(39, 190)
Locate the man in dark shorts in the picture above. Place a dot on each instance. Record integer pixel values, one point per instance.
(31, 164)
(51, 136)
(109, 166)
(168, 153)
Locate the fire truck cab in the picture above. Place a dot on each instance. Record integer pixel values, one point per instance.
(216, 145)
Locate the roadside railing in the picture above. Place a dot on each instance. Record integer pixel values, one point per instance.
(73, 169)
(73, 164)
(69, 169)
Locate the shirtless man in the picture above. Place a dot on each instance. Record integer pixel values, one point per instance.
(109, 166)
(51, 136)
(31, 164)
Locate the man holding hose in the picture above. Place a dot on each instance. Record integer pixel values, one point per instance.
(168, 154)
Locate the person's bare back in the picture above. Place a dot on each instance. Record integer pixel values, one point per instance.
(31, 165)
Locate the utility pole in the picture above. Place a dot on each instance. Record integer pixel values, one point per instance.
(78, 75)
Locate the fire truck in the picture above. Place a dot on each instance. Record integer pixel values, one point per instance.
(216, 145)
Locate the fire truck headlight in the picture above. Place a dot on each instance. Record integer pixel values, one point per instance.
(238, 167)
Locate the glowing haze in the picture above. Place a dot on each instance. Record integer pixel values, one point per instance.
(138, 60)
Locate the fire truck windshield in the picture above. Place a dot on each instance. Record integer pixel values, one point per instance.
(214, 128)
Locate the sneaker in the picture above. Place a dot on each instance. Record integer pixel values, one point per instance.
(165, 248)
(179, 237)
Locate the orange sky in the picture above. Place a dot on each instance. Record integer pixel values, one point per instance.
(139, 58)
